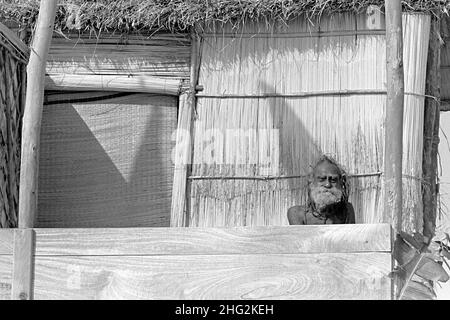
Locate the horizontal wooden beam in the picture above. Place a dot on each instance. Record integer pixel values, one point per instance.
(284, 262)
(253, 276)
(123, 83)
(194, 241)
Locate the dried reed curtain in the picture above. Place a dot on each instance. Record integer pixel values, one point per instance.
(12, 89)
(159, 55)
(105, 160)
(288, 134)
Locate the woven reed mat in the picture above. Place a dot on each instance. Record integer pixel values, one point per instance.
(105, 162)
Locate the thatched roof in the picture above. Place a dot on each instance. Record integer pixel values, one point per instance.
(130, 15)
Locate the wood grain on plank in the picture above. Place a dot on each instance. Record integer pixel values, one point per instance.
(6, 266)
(274, 276)
(6, 241)
(22, 285)
(193, 241)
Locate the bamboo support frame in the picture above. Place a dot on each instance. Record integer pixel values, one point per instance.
(24, 239)
(331, 33)
(310, 94)
(28, 188)
(394, 115)
(359, 175)
(183, 148)
(123, 83)
(33, 114)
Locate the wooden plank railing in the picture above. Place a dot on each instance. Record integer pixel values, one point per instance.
(292, 262)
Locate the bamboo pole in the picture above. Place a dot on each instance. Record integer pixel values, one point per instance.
(28, 189)
(184, 146)
(431, 132)
(394, 115)
(107, 82)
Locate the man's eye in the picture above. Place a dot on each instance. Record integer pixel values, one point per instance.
(334, 180)
(322, 178)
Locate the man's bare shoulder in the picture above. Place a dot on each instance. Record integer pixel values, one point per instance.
(296, 215)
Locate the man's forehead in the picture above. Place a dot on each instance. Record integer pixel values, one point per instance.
(326, 168)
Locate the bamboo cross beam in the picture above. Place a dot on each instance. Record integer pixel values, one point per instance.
(108, 82)
(31, 128)
(394, 115)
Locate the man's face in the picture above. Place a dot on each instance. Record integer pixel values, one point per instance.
(326, 187)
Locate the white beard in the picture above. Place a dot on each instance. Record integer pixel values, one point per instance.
(323, 197)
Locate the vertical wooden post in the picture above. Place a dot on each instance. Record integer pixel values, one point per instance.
(22, 282)
(28, 189)
(394, 115)
(184, 143)
(431, 131)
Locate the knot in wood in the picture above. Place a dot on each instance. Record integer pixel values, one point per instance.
(23, 296)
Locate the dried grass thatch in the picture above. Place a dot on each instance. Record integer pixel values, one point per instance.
(126, 15)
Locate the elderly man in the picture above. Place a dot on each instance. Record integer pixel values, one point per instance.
(327, 197)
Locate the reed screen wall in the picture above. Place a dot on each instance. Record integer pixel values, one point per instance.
(12, 97)
(245, 139)
(105, 161)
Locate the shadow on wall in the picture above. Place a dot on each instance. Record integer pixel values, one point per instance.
(293, 137)
(106, 163)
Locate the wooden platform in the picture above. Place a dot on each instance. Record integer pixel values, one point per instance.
(293, 262)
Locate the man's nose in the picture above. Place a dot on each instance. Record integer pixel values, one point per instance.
(327, 183)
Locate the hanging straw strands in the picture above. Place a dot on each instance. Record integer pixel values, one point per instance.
(280, 136)
(13, 55)
(416, 32)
